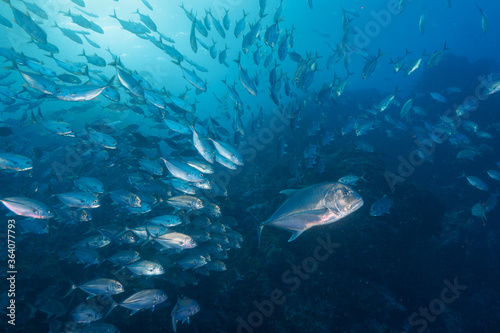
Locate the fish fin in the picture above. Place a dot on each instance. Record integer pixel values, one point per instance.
(259, 234)
(73, 287)
(134, 312)
(288, 192)
(174, 322)
(295, 234)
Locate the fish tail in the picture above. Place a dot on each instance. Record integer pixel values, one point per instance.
(114, 14)
(239, 58)
(73, 287)
(113, 305)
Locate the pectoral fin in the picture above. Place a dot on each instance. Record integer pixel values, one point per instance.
(288, 192)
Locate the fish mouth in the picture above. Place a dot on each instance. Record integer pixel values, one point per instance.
(356, 205)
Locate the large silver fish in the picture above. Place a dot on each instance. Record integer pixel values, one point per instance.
(142, 300)
(183, 309)
(28, 207)
(13, 162)
(312, 206)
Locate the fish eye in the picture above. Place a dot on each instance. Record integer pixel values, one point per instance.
(201, 175)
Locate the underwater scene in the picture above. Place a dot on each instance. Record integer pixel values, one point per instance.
(249, 166)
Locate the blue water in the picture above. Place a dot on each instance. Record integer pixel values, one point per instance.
(428, 263)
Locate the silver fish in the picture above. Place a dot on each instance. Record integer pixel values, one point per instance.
(315, 205)
(28, 207)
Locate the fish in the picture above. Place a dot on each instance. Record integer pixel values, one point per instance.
(70, 34)
(217, 25)
(271, 35)
(315, 205)
(146, 3)
(192, 38)
(146, 268)
(228, 152)
(79, 199)
(421, 22)
(80, 3)
(414, 65)
(406, 108)
(94, 60)
(14, 162)
(166, 220)
(226, 21)
(436, 57)
(494, 174)
(384, 104)
(186, 202)
(371, 65)
(151, 167)
(99, 287)
(5, 22)
(381, 206)
(283, 48)
(438, 97)
(148, 22)
(245, 79)
(56, 127)
(28, 25)
(35, 9)
(240, 25)
(397, 65)
(213, 50)
(484, 19)
(192, 78)
(251, 37)
(133, 27)
(176, 240)
(203, 148)
(351, 179)
(476, 182)
(183, 171)
(87, 13)
(141, 300)
(28, 207)
(85, 313)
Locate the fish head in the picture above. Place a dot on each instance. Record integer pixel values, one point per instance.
(158, 269)
(197, 204)
(188, 243)
(342, 199)
(44, 213)
(84, 216)
(135, 201)
(160, 298)
(117, 287)
(94, 202)
(25, 164)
